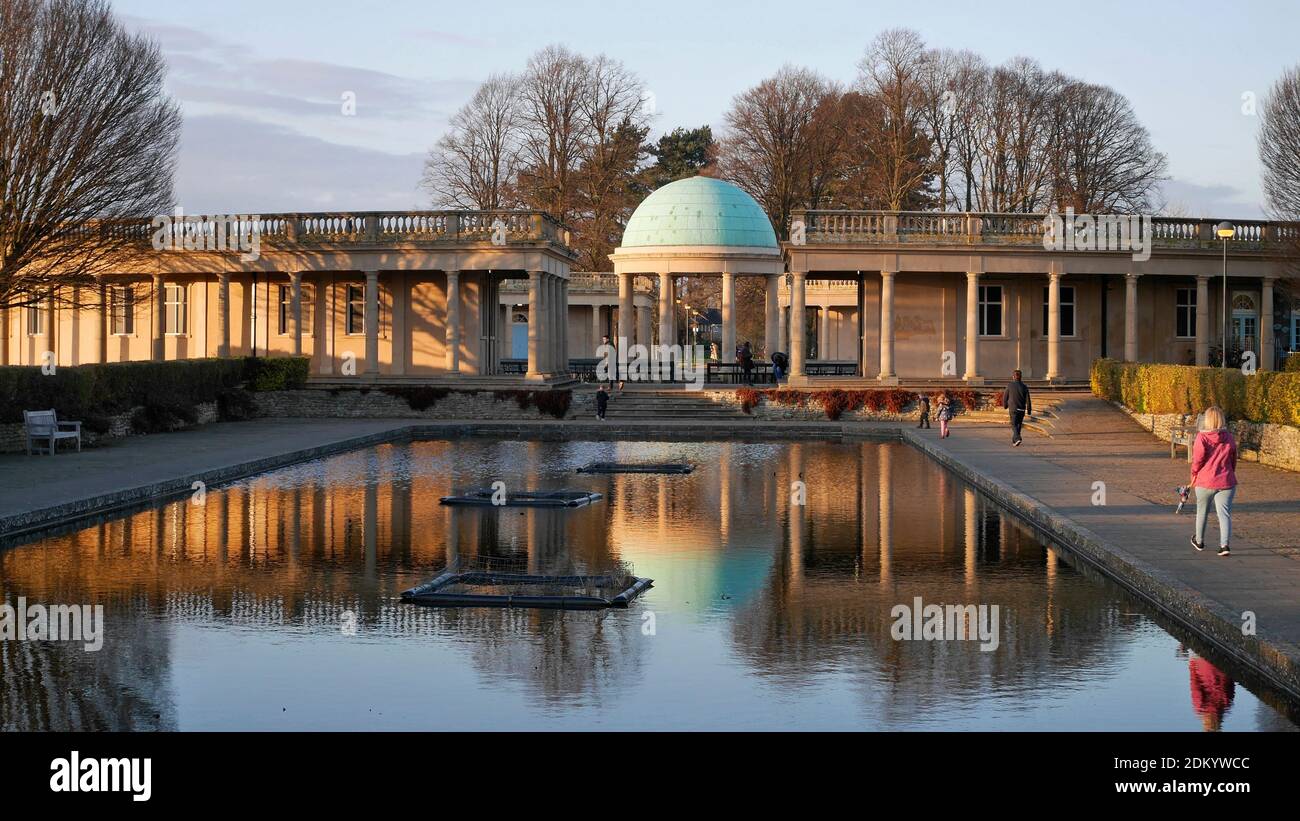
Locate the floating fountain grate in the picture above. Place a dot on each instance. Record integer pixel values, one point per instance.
(480, 588)
(527, 498)
(636, 467)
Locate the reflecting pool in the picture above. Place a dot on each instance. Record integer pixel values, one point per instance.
(273, 604)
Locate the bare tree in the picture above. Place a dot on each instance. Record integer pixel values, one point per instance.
(556, 131)
(606, 187)
(892, 73)
(475, 164)
(87, 140)
(1279, 154)
(1102, 160)
(1279, 146)
(771, 134)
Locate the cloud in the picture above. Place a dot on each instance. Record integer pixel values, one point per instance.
(208, 75)
(1191, 199)
(228, 164)
(266, 134)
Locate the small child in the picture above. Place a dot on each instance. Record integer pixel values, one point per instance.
(944, 415)
(602, 402)
(925, 411)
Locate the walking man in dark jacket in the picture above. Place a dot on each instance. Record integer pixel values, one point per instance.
(1018, 404)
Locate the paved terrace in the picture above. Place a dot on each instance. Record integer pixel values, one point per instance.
(1135, 538)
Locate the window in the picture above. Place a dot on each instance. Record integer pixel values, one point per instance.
(990, 310)
(1185, 313)
(1067, 309)
(174, 323)
(356, 316)
(36, 316)
(121, 307)
(286, 309)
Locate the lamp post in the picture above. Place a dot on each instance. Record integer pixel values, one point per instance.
(1225, 231)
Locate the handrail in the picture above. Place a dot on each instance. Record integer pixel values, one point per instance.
(831, 226)
(339, 227)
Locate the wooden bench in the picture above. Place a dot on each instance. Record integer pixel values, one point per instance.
(44, 426)
(1182, 434)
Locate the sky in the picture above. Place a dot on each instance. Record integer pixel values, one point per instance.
(263, 84)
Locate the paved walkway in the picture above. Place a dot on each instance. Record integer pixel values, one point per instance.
(1136, 535)
(38, 490)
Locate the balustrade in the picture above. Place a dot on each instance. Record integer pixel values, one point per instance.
(960, 228)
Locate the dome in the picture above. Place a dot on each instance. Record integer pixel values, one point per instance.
(699, 211)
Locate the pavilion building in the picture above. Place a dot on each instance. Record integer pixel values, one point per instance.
(489, 297)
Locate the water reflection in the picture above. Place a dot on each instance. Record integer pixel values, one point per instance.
(771, 605)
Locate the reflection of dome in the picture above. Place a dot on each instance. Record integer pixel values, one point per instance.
(699, 211)
(698, 581)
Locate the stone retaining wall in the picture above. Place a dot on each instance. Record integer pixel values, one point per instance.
(1274, 445)
(360, 403)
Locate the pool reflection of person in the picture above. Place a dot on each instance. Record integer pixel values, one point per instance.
(1212, 692)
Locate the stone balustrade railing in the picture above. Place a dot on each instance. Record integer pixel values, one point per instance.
(586, 281)
(341, 228)
(941, 228)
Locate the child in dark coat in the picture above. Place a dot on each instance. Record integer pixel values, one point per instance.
(602, 402)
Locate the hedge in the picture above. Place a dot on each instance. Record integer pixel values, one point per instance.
(836, 401)
(165, 390)
(1265, 397)
(1292, 362)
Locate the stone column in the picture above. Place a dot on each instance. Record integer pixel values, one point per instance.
(728, 317)
(771, 310)
(558, 325)
(223, 314)
(104, 319)
(1131, 317)
(972, 326)
(1266, 325)
(452, 334)
(564, 324)
(887, 328)
(1202, 320)
(159, 313)
(643, 326)
(596, 330)
(372, 323)
(666, 332)
(627, 330)
(782, 331)
(797, 322)
(506, 348)
(823, 332)
(535, 310)
(1054, 326)
(296, 299)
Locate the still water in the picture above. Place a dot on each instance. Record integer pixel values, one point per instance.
(273, 604)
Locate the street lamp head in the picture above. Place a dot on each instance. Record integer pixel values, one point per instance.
(1225, 230)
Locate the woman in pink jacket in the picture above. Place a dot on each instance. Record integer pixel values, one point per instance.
(1214, 476)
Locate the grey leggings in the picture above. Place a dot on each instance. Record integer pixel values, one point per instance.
(1222, 509)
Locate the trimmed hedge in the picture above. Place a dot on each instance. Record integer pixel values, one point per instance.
(1264, 397)
(166, 391)
(836, 402)
(1292, 362)
(280, 373)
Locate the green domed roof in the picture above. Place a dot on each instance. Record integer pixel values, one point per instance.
(699, 211)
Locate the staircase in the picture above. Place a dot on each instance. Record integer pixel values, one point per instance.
(669, 404)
